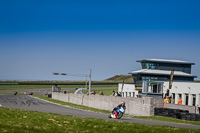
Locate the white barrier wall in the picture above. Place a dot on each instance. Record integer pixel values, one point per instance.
(134, 106)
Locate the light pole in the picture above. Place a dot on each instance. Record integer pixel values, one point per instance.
(90, 75)
(78, 75)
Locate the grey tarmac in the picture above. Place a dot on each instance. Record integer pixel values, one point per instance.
(25, 102)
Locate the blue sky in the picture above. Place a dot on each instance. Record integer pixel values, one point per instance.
(41, 37)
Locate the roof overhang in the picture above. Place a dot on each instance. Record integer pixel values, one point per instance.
(161, 72)
(166, 61)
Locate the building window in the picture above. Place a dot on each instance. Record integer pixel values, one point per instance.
(149, 65)
(160, 88)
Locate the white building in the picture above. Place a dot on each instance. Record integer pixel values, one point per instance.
(153, 81)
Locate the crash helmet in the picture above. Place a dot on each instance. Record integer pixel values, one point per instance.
(123, 103)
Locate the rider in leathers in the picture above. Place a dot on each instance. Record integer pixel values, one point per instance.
(119, 106)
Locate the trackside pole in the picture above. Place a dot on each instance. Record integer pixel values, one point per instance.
(122, 88)
(90, 80)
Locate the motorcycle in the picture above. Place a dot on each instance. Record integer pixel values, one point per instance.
(117, 113)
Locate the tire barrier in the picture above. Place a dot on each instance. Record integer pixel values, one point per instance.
(176, 113)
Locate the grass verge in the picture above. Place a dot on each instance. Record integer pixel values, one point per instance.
(15, 120)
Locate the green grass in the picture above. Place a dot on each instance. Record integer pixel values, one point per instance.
(14, 120)
(22, 87)
(106, 92)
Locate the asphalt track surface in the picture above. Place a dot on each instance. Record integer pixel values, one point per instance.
(30, 103)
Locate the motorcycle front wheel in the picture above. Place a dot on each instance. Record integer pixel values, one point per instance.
(119, 116)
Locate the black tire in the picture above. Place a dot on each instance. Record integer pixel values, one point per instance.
(109, 116)
(119, 116)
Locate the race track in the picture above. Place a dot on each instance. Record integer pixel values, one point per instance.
(34, 104)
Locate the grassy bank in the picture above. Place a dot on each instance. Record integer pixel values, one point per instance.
(14, 120)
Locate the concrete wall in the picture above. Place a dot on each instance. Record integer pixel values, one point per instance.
(134, 106)
(191, 109)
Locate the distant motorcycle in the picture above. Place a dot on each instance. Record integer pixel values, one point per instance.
(15, 93)
(117, 113)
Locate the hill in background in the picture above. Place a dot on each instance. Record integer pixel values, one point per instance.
(120, 78)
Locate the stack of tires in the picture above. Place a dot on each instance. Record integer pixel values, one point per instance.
(177, 113)
(197, 117)
(174, 113)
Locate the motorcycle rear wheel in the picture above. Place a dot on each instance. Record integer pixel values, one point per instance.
(109, 116)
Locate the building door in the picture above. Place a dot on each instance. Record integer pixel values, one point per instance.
(154, 88)
(186, 103)
(194, 100)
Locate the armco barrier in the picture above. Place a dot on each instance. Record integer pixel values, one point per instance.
(134, 106)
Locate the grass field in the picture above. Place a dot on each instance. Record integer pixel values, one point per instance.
(22, 87)
(106, 92)
(14, 120)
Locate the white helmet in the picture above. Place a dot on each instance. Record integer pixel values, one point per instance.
(123, 103)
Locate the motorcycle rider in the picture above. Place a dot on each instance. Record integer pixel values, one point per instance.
(122, 105)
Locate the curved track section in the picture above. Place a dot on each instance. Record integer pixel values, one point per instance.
(34, 104)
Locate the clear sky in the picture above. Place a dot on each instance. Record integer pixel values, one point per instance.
(38, 37)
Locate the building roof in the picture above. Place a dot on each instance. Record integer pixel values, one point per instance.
(166, 61)
(161, 72)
